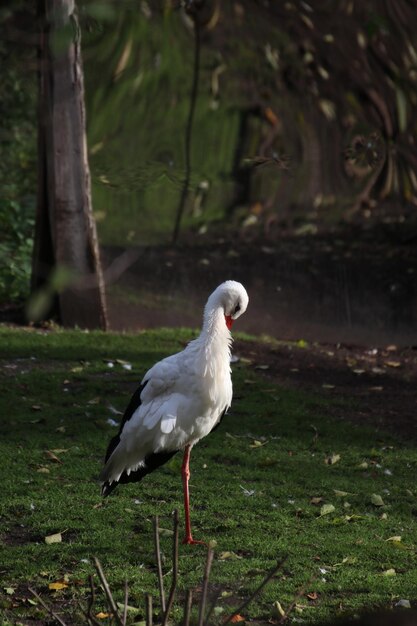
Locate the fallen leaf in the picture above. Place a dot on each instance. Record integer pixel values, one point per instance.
(257, 444)
(316, 500)
(326, 509)
(395, 538)
(389, 572)
(405, 604)
(326, 386)
(52, 456)
(278, 608)
(102, 615)
(313, 595)
(58, 585)
(55, 538)
(223, 556)
(342, 494)
(43, 470)
(237, 618)
(9, 590)
(129, 608)
(377, 500)
(36, 407)
(332, 459)
(60, 429)
(262, 367)
(393, 363)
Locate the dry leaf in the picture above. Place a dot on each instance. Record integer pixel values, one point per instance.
(223, 556)
(237, 618)
(377, 500)
(52, 456)
(389, 572)
(103, 615)
(56, 538)
(279, 609)
(326, 509)
(58, 585)
(332, 459)
(257, 444)
(393, 363)
(316, 500)
(395, 538)
(313, 595)
(403, 603)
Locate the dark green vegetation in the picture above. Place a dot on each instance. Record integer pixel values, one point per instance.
(279, 477)
(18, 154)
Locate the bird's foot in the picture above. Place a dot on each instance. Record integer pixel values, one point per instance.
(188, 540)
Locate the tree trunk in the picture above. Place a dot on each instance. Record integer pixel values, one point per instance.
(65, 236)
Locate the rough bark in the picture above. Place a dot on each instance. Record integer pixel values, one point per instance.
(65, 229)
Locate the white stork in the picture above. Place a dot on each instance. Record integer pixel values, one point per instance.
(180, 400)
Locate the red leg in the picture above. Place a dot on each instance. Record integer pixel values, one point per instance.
(185, 471)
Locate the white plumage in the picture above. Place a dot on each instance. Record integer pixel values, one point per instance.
(181, 399)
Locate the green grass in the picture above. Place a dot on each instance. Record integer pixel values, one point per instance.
(56, 390)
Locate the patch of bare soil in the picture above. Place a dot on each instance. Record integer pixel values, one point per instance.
(379, 384)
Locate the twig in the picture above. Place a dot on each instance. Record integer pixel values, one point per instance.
(175, 569)
(148, 609)
(206, 576)
(158, 563)
(211, 608)
(187, 608)
(91, 603)
(46, 607)
(124, 617)
(257, 591)
(298, 595)
(107, 591)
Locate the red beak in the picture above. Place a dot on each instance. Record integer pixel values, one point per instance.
(229, 321)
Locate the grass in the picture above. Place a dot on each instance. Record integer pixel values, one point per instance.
(258, 487)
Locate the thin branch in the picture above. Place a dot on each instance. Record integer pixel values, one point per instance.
(187, 608)
(158, 563)
(257, 591)
(148, 609)
(91, 602)
(297, 596)
(46, 607)
(211, 608)
(107, 591)
(206, 576)
(175, 568)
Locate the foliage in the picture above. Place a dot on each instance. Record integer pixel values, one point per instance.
(269, 90)
(280, 476)
(17, 165)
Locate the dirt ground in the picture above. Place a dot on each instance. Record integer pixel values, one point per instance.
(380, 384)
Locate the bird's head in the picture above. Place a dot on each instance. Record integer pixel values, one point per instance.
(231, 296)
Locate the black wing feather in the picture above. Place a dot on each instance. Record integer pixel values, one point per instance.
(152, 462)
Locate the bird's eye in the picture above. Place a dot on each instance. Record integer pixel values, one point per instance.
(237, 309)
